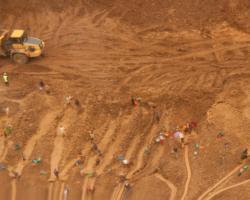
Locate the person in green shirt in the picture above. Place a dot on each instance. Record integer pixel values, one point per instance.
(7, 131)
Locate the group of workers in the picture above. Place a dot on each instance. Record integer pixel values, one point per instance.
(178, 133)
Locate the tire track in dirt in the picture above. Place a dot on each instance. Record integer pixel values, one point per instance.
(114, 143)
(56, 155)
(227, 188)
(171, 186)
(5, 150)
(50, 190)
(106, 148)
(186, 56)
(43, 129)
(139, 164)
(142, 168)
(64, 21)
(206, 52)
(189, 174)
(149, 169)
(119, 190)
(55, 190)
(13, 189)
(148, 141)
(84, 189)
(118, 141)
(200, 81)
(225, 178)
(18, 101)
(100, 18)
(90, 163)
(69, 116)
(64, 173)
(108, 157)
(4, 147)
(217, 54)
(137, 140)
(89, 23)
(61, 193)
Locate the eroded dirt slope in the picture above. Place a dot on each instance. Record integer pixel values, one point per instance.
(187, 60)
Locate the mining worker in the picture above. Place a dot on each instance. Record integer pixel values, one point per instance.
(7, 111)
(61, 131)
(127, 185)
(68, 99)
(56, 172)
(77, 103)
(97, 161)
(133, 101)
(182, 141)
(14, 174)
(91, 189)
(5, 79)
(244, 155)
(41, 85)
(175, 152)
(157, 116)
(91, 136)
(65, 193)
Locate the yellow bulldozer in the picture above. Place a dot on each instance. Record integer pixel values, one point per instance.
(19, 47)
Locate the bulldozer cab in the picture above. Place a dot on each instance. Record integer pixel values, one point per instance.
(17, 39)
(13, 40)
(18, 36)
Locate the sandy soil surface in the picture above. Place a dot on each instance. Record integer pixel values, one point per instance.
(186, 60)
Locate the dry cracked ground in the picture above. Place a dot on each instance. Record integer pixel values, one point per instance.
(187, 60)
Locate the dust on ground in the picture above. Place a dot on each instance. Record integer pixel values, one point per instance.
(186, 60)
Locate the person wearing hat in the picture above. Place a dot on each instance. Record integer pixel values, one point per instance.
(5, 79)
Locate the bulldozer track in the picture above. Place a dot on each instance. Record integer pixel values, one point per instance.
(213, 194)
(221, 181)
(171, 186)
(189, 174)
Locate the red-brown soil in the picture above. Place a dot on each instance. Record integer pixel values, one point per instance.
(187, 60)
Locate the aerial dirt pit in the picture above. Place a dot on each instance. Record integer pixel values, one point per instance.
(142, 100)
